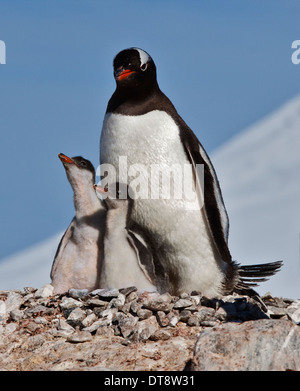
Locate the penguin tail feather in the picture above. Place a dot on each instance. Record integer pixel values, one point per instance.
(250, 275)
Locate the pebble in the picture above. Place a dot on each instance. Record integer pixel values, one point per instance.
(78, 293)
(117, 302)
(145, 329)
(162, 318)
(184, 315)
(89, 320)
(174, 320)
(13, 301)
(62, 325)
(157, 302)
(193, 320)
(45, 291)
(37, 309)
(78, 315)
(135, 306)
(2, 308)
(160, 335)
(68, 303)
(96, 303)
(41, 320)
(296, 316)
(17, 315)
(106, 294)
(97, 324)
(10, 328)
(144, 313)
(183, 303)
(79, 337)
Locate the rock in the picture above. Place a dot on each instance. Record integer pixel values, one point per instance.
(17, 315)
(68, 303)
(293, 311)
(184, 315)
(208, 323)
(260, 345)
(193, 321)
(157, 302)
(78, 293)
(2, 308)
(41, 320)
(35, 342)
(276, 312)
(117, 302)
(160, 335)
(295, 317)
(96, 303)
(146, 328)
(127, 330)
(135, 306)
(79, 337)
(76, 317)
(89, 320)
(162, 319)
(105, 294)
(183, 303)
(10, 328)
(37, 309)
(132, 296)
(108, 314)
(13, 301)
(29, 289)
(62, 325)
(103, 322)
(144, 313)
(127, 291)
(45, 291)
(125, 324)
(204, 314)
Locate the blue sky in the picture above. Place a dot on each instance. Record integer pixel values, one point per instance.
(224, 64)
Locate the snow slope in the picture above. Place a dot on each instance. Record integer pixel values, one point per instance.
(259, 173)
(30, 267)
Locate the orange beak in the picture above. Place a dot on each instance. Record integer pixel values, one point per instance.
(100, 189)
(65, 159)
(124, 74)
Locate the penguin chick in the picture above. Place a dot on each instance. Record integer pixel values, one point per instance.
(77, 262)
(128, 260)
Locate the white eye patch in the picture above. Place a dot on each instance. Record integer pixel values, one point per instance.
(144, 57)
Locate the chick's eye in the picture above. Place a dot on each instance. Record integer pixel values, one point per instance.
(144, 67)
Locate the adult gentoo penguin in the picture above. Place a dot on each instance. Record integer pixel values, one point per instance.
(128, 260)
(142, 125)
(77, 262)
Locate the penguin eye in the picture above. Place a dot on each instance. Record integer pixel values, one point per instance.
(83, 163)
(144, 67)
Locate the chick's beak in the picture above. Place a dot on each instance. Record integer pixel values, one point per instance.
(65, 159)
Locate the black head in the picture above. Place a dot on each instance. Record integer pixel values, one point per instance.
(134, 69)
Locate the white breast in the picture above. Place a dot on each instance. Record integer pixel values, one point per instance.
(177, 224)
